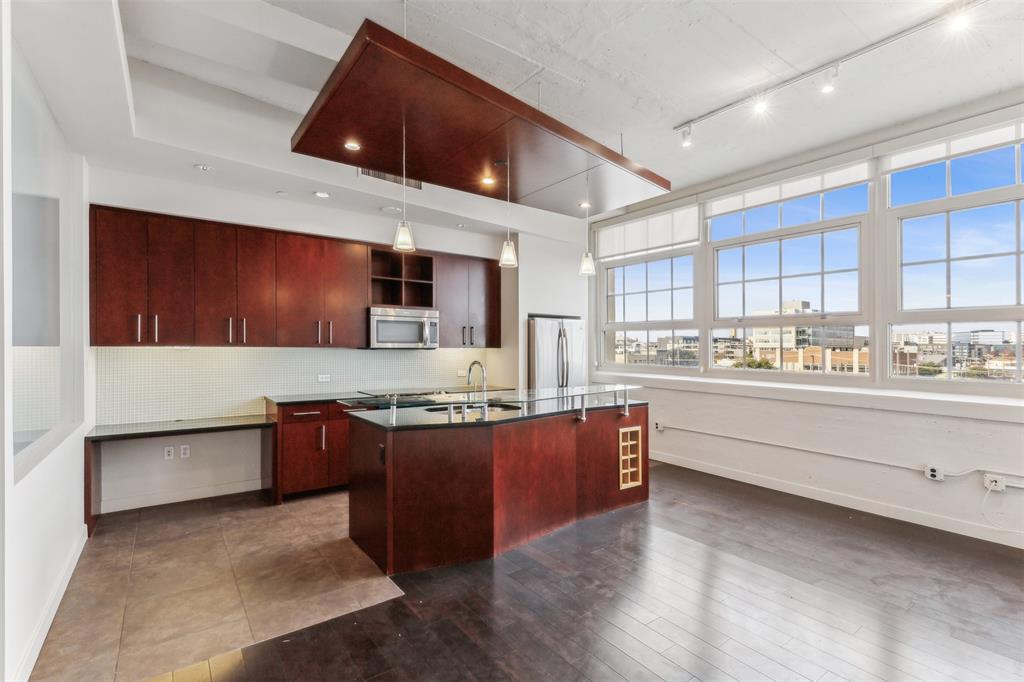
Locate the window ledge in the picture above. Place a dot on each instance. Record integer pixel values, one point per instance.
(989, 408)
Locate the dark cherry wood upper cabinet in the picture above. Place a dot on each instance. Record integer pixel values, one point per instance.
(451, 277)
(216, 256)
(172, 273)
(346, 293)
(300, 290)
(257, 283)
(484, 304)
(119, 278)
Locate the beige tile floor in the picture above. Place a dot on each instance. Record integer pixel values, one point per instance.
(162, 587)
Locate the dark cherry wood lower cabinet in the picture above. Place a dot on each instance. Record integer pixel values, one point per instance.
(423, 498)
(303, 457)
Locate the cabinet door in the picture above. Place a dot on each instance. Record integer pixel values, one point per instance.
(478, 290)
(300, 290)
(257, 282)
(304, 456)
(119, 278)
(451, 279)
(346, 284)
(172, 272)
(216, 285)
(337, 451)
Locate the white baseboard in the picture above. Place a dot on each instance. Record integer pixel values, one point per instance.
(42, 626)
(953, 525)
(149, 499)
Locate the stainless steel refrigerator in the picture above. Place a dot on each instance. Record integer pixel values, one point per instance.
(558, 352)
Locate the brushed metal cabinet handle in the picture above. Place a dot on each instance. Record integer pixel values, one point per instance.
(156, 329)
(471, 341)
(330, 332)
(323, 437)
(231, 330)
(305, 414)
(318, 327)
(463, 336)
(244, 335)
(138, 328)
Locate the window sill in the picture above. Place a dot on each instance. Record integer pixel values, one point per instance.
(900, 400)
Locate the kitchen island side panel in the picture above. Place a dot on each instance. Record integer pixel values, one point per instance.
(534, 479)
(442, 497)
(597, 461)
(369, 500)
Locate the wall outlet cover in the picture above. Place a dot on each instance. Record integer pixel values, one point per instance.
(323, 378)
(186, 451)
(995, 483)
(934, 473)
(169, 452)
(460, 373)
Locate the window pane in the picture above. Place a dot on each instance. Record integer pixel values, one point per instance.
(726, 226)
(762, 298)
(761, 350)
(801, 211)
(924, 238)
(636, 308)
(615, 309)
(986, 170)
(919, 350)
(847, 350)
(659, 274)
(686, 348)
(762, 218)
(682, 271)
(635, 350)
(983, 282)
(918, 184)
(726, 347)
(730, 265)
(984, 350)
(841, 292)
(761, 260)
(801, 295)
(682, 304)
(730, 300)
(615, 281)
(801, 255)
(659, 305)
(660, 348)
(802, 349)
(846, 201)
(924, 286)
(636, 277)
(841, 249)
(987, 229)
(614, 344)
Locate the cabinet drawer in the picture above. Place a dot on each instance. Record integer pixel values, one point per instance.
(306, 412)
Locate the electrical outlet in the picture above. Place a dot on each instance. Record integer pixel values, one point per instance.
(186, 451)
(934, 473)
(658, 426)
(323, 378)
(995, 483)
(169, 452)
(460, 373)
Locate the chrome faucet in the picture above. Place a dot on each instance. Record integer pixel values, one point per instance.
(469, 375)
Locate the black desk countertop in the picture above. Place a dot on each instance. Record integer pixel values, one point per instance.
(177, 426)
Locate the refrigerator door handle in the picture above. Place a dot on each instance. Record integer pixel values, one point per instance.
(558, 358)
(563, 365)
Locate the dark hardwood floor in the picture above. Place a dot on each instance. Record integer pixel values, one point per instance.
(711, 580)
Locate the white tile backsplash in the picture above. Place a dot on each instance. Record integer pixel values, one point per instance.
(155, 384)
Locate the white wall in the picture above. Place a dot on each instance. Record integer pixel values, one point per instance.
(43, 525)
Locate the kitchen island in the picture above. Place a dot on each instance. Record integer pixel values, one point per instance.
(481, 473)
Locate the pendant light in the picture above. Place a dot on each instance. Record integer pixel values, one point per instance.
(508, 258)
(587, 268)
(404, 241)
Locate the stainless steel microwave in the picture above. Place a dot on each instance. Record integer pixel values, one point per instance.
(403, 328)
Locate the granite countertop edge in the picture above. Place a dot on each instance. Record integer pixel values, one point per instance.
(439, 420)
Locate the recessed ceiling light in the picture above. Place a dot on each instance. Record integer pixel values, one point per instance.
(959, 22)
(461, 225)
(391, 209)
(831, 76)
(584, 204)
(202, 167)
(353, 146)
(760, 105)
(488, 180)
(322, 195)
(281, 193)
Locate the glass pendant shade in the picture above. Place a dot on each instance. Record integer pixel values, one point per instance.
(587, 268)
(403, 237)
(508, 257)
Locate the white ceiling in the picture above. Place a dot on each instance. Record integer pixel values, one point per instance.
(606, 67)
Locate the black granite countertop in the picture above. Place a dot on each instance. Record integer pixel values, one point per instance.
(497, 412)
(149, 429)
(314, 398)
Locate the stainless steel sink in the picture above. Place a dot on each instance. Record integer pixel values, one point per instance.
(494, 407)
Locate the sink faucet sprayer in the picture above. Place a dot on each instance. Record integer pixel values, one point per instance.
(469, 375)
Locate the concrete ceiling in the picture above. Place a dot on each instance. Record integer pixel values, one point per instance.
(199, 68)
